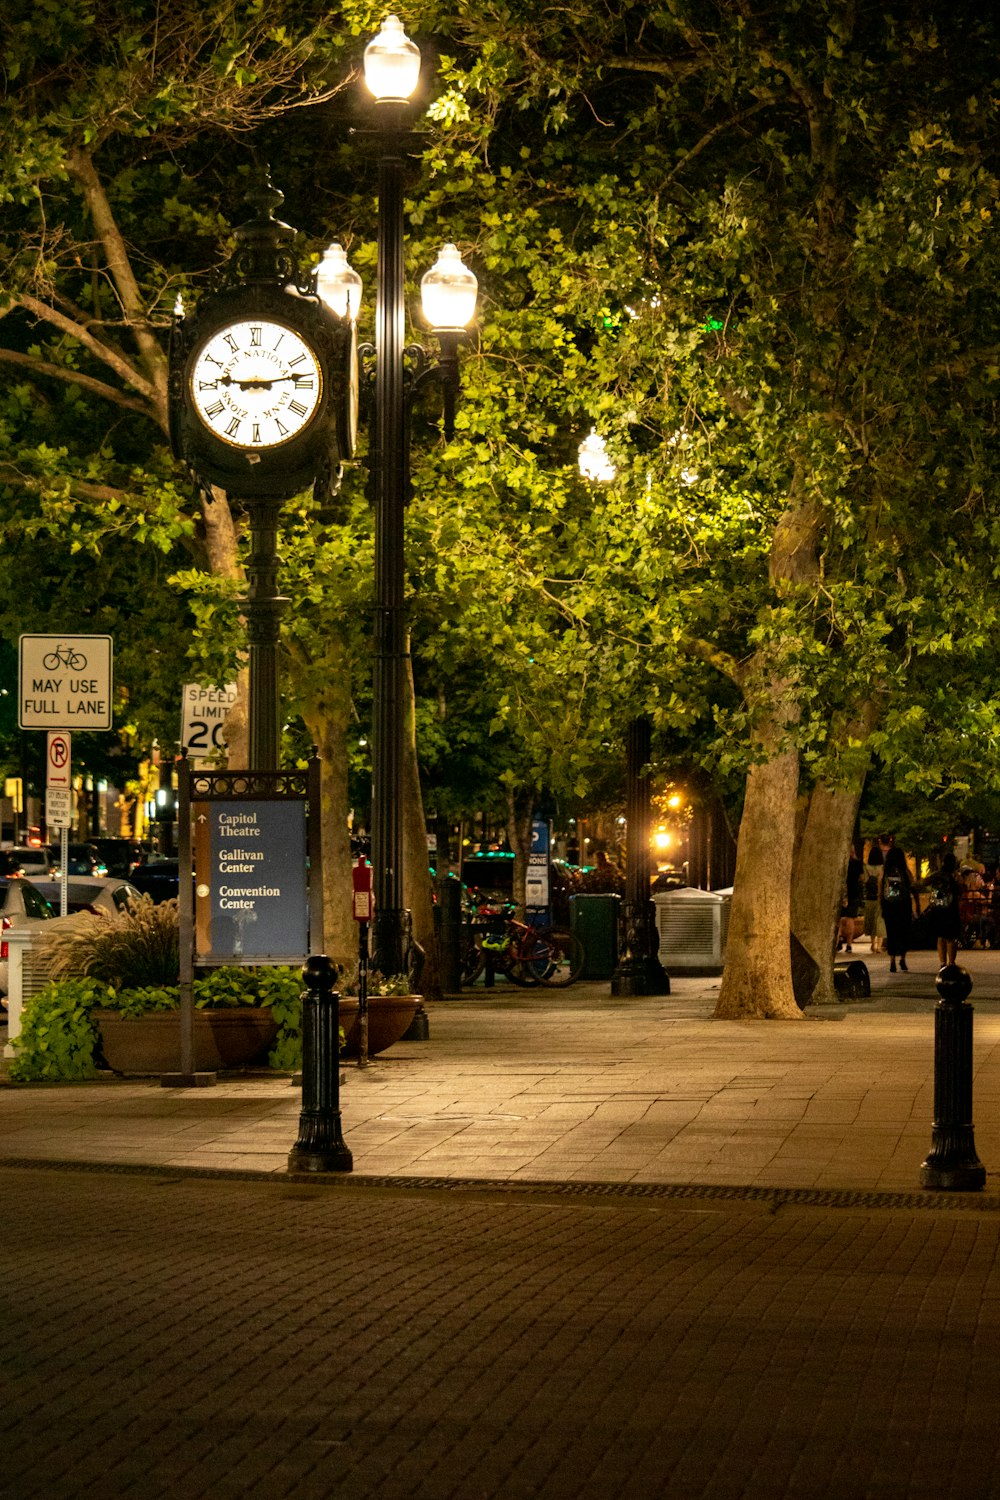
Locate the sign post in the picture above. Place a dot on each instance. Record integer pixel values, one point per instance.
(65, 682)
(59, 802)
(203, 717)
(364, 905)
(536, 885)
(250, 862)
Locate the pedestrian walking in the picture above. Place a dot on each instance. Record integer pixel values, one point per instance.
(897, 907)
(850, 908)
(874, 925)
(943, 910)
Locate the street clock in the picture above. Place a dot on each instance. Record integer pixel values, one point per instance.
(263, 382)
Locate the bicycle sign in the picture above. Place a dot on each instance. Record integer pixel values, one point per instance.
(65, 681)
(65, 658)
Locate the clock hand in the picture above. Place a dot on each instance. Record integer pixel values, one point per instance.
(257, 382)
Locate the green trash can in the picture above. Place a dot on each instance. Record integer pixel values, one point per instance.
(594, 920)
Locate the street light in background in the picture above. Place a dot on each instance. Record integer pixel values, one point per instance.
(448, 295)
(639, 971)
(594, 460)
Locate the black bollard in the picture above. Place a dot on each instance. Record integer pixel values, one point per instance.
(450, 931)
(953, 1164)
(321, 1146)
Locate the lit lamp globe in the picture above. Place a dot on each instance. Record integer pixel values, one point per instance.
(392, 64)
(338, 285)
(448, 293)
(594, 460)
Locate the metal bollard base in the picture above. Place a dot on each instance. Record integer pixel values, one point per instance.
(952, 1164)
(967, 1178)
(334, 1159)
(188, 1080)
(640, 976)
(419, 1029)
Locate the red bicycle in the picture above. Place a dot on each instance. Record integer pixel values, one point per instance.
(524, 954)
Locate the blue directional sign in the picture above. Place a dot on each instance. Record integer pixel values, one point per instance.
(251, 895)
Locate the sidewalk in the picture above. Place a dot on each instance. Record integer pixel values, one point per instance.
(574, 1086)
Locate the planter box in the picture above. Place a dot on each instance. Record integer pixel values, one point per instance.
(388, 1017)
(152, 1044)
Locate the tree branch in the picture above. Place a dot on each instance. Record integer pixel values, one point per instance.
(81, 166)
(37, 367)
(101, 351)
(713, 656)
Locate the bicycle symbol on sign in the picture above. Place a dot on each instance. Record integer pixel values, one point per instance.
(64, 656)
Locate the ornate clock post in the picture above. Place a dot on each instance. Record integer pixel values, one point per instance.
(262, 386)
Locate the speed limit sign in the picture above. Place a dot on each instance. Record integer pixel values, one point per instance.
(203, 713)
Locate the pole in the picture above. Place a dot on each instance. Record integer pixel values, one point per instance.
(262, 607)
(362, 994)
(639, 970)
(321, 1146)
(188, 1076)
(953, 1164)
(390, 675)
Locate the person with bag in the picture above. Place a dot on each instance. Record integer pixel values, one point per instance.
(874, 925)
(896, 900)
(943, 910)
(850, 906)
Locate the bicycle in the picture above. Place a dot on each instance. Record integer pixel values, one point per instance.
(64, 656)
(524, 954)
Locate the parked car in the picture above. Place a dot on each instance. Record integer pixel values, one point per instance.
(94, 893)
(120, 856)
(31, 860)
(158, 878)
(84, 859)
(490, 879)
(21, 905)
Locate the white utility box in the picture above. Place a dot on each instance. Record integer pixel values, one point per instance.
(693, 927)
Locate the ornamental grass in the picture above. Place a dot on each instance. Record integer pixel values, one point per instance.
(136, 948)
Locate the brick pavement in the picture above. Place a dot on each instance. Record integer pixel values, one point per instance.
(170, 1336)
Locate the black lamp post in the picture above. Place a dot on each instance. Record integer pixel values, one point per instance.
(448, 292)
(639, 971)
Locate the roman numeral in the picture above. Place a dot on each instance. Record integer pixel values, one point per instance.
(297, 408)
(255, 333)
(282, 430)
(234, 346)
(256, 433)
(208, 385)
(304, 382)
(296, 361)
(215, 408)
(233, 427)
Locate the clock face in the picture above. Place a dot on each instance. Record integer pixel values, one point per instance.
(256, 384)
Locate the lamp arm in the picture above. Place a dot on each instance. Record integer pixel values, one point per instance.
(420, 371)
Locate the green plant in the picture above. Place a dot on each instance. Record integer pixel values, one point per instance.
(137, 947)
(144, 1001)
(58, 1035)
(378, 984)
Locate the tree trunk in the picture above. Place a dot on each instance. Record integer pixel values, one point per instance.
(418, 894)
(520, 807)
(820, 867)
(236, 725)
(820, 864)
(327, 722)
(757, 980)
